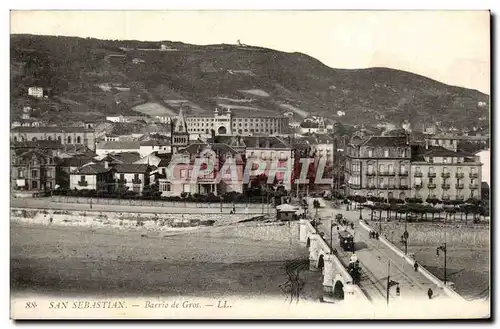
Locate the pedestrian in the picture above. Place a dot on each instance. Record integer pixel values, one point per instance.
(234, 209)
(376, 235)
(429, 293)
(415, 266)
(354, 258)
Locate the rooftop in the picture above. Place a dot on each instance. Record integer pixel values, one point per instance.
(132, 168)
(45, 129)
(386, 141)
(264, 142)
(118, 145)
(91, 169)
(156, 142)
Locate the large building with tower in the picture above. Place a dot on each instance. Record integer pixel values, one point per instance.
(235, 122)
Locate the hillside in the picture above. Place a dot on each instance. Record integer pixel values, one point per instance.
(105, 77)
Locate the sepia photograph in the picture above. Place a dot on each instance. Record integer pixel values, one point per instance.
(250, 164)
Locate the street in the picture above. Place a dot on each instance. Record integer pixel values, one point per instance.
(374, 258)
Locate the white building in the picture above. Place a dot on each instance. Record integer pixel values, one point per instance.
(484, 158)
(104, 148)
(35, 92)
(154, 145)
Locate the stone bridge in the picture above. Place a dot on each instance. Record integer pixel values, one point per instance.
(336, 280)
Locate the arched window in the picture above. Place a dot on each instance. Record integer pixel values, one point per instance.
(59, 138)
(49, 138)
(78, 140)
(69, 139)
(22, 139)
(402, 195)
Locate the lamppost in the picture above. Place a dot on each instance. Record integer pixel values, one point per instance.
(390, 283)
(406, 235)
(360, 215)
(443, 249)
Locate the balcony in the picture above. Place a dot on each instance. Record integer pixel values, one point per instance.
(459, 186)
(445, 174)
(445, 197)
(459, 197)
(445, 186)
(404, 187)
(83, 183)
(122, 181)
(431, 185)
(370, 173)
(371, 187)
(391, 186)
(354, 186)
(473, 175)
(404, 173)
(459, 175)
(136, 181)
(417, 187)
(418, 174)
(386, 173)
(431, 174)
(474, 186)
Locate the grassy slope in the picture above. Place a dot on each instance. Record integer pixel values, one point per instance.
(199, 73)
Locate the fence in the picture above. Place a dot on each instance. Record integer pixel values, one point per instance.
(153, 203)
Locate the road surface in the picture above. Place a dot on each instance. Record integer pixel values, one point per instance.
(374, 257)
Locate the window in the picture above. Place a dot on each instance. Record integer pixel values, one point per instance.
(48, 173)
(78, 140)
(20, 173)
(431, 170)
(459, 170)
(370, 168)
(402, 168)
(445, 170)
(82, 178)
(381, 182)
(445, 160)
(136, 176)
(386, 153)
(122, 176)
(431, 160)
(381, 168)
(169, 187)
(431, 180)
(391, 168)
(403, 182)
(59, 138)
(69, 139)
(15, 138)
(183, 173)
(34, 174)
(164, 171)
(34, 139)
(370, 153)
(34, 184)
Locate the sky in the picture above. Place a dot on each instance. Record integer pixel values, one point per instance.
(449, 46)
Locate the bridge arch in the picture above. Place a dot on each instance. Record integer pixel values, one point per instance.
(338, 290)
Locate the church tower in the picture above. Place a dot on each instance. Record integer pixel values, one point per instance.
(179, 133)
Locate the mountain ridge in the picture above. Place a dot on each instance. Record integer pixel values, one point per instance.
(75, 67)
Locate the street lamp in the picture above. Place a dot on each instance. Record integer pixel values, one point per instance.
(390, 283)
(443, 249)
(360, 215)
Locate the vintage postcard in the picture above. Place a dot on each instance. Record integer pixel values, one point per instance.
(250, 164)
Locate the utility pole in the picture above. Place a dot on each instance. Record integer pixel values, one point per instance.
(444, 249)
(388, 280)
